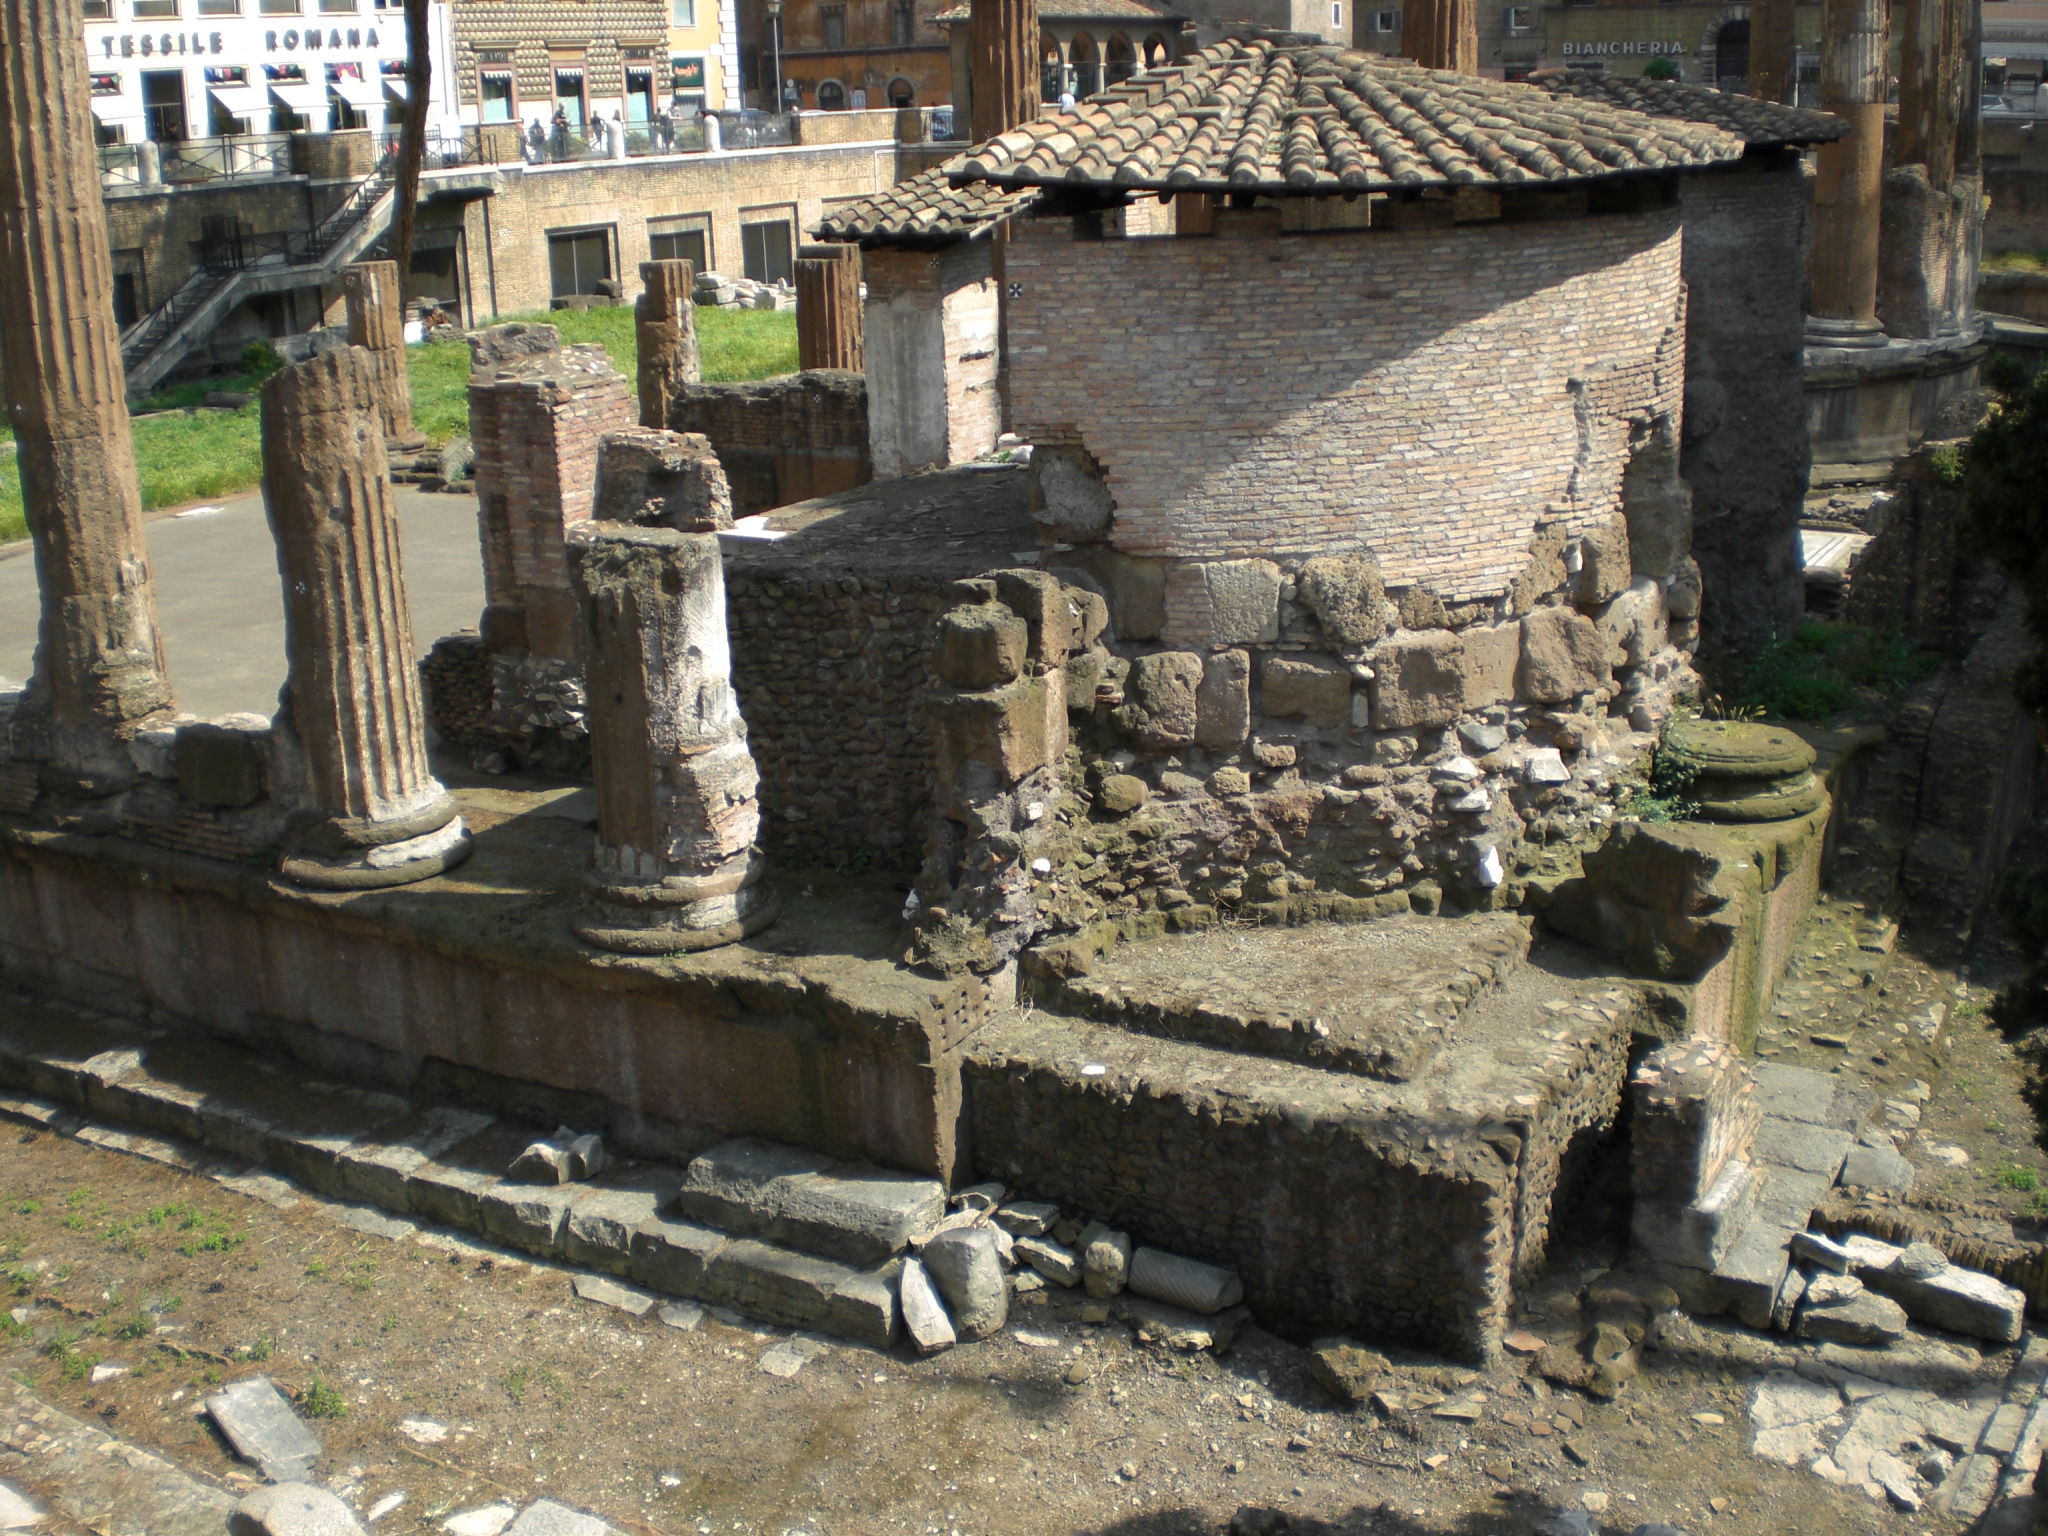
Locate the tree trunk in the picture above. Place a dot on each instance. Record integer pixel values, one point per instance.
(412, 136)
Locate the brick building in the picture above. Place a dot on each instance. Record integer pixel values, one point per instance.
(1083, 45)
(845, 54)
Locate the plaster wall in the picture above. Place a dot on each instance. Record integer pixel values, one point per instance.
(931, 324)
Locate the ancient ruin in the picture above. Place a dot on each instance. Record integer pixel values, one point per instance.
(1167, 768)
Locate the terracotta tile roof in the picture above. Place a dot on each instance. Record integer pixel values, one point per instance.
(1760, 124)
(1291, 120)
(1080, 10)
(927, 209)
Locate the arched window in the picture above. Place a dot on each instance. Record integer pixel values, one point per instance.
(1156, 51)
(831, 96)
(1087, 65)
(1731, 56)
(902, 93)
(1120, 59)
(1052, 68)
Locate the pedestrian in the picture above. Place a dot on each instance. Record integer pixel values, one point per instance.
(536, 142)
(561, 134)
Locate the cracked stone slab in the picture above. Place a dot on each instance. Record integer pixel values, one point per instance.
(604, 1215)
(260, 1424)
(607, 1292)
(797, 1199)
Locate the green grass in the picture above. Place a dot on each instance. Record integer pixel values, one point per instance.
(1823, 669)
(2016, 261)
(184, 454)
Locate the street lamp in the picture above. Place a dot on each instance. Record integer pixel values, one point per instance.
(775, 50)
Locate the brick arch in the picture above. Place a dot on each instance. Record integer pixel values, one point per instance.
(1710, 32)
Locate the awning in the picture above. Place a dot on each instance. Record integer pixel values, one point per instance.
(241, 100)
(395, 84)
(109, 109)
(300, 95)
(363, 95)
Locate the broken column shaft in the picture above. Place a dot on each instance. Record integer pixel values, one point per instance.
(99, 661)
(376, 815)
(665, 329)
(1002, 55)
(1442, 34)
(370, 294)
(828, 330)
(1848, 184)
(675, 867)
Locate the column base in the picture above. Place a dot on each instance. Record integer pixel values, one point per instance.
(1823, 332)
(369, 869)
(674, 916)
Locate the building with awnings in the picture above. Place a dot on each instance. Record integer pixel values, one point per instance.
(2015, 51)
(168, 71)
(1707, 44)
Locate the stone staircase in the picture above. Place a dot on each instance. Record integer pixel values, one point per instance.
(777, 1233)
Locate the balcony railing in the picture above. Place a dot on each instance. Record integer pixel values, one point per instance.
(242, 154)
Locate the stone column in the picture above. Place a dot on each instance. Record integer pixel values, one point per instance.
(1442, 34)
(1773, 50)
(1002, 64)
(675, 866)
(99, 665)
(1848, 185)
(370, 294)
(828, 330)
(665, 327)
(375, 813)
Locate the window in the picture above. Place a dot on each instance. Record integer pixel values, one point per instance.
(764, 251)
(220, 7)
(569, 95)
(277, 7)
(682, 13)
(1386, 21)
(163, 104)
(494, 90)
(1336, 15)
(578, 260)
(680, 241)
(903, 23)
(99, 10)
(640, 93)
(153, 9)
(1517, 18)
(831, 96)
(337, 7)
(127, 308)
(832, 25)
(902, 93)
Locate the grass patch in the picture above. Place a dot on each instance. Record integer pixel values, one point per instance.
(2016, 261)
(1822, 670)
(185, 454)
(2015, 1177)
(320, 1401)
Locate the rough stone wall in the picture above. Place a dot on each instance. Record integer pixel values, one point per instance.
(782, 440)
(1421, 396)
(1745, 445)
(1928, 240)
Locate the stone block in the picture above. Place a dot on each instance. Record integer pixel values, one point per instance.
(980, 645)
(528, 1216)
(1493, 652)
(1041, 600)
(1049, 1259)
(447, 1195)
(924, 1316)
(1121, 793)
(1160, 709)
(1105, 1260)
(966, 1264)
(1069, 500)
(660, 479)
(1808, 1148)
(1860, 1319)
(1877, 1168)
(1563, 656)
(259, 1423)
(379, 1171)
(545, 1517)
(1234, 602)
(672, 1255)
(1633, 624)
(292, 1509)
(1009, 730)
(220, 766)
(607, 1292)
(1418, 680)
(856, 1214)
(1137, 596)
(1308, 688)
(1701, 1233)
(1223, 701)
(1345, 594)
(794, 1289)
(1604, 569)
(603, 1217)
(1695, 1108)
(1958, 1300)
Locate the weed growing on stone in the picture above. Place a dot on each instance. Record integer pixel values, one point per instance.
(1663, 798)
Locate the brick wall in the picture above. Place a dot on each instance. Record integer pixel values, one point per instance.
(1420, 396)
(784, 439)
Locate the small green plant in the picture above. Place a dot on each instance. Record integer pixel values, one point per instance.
(28, 1207)
(317, 1269)
(263, 1348)
(1660, 69)
(2025, 1180)
(516, 1381)
(1947, 463)
(139, 1325)
(1663, 797)
(320, 1401)
(260, 360)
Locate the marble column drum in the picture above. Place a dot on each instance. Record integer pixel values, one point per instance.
(828, 313)
(370, 296)
(99, 667)
(375, 815)
(676, 866)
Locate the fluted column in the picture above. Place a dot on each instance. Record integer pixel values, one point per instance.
(675, 867)
(1442, 34)
(370, 296)
(665, 327)
(1002, 65)
(1848, 184)
(99, 665)
(375, 814)
(1773, 50)
(828, 317)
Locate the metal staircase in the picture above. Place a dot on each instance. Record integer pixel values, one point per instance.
(239, 267)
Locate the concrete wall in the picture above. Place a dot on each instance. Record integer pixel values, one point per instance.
(1745, 452)
(1421, 396)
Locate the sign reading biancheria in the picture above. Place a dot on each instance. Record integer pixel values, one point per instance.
(1632, 47)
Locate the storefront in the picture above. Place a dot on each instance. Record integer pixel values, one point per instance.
(1703, 44)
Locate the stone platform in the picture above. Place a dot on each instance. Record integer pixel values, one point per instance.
(1399, 1210)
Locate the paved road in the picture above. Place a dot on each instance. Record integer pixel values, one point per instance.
(218, 601)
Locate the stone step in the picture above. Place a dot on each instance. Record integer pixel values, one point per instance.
(803, 1200)
(1376, 1000)
(445, 1165)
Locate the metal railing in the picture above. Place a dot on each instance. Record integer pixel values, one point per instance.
(242, 154)
(123, 165)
